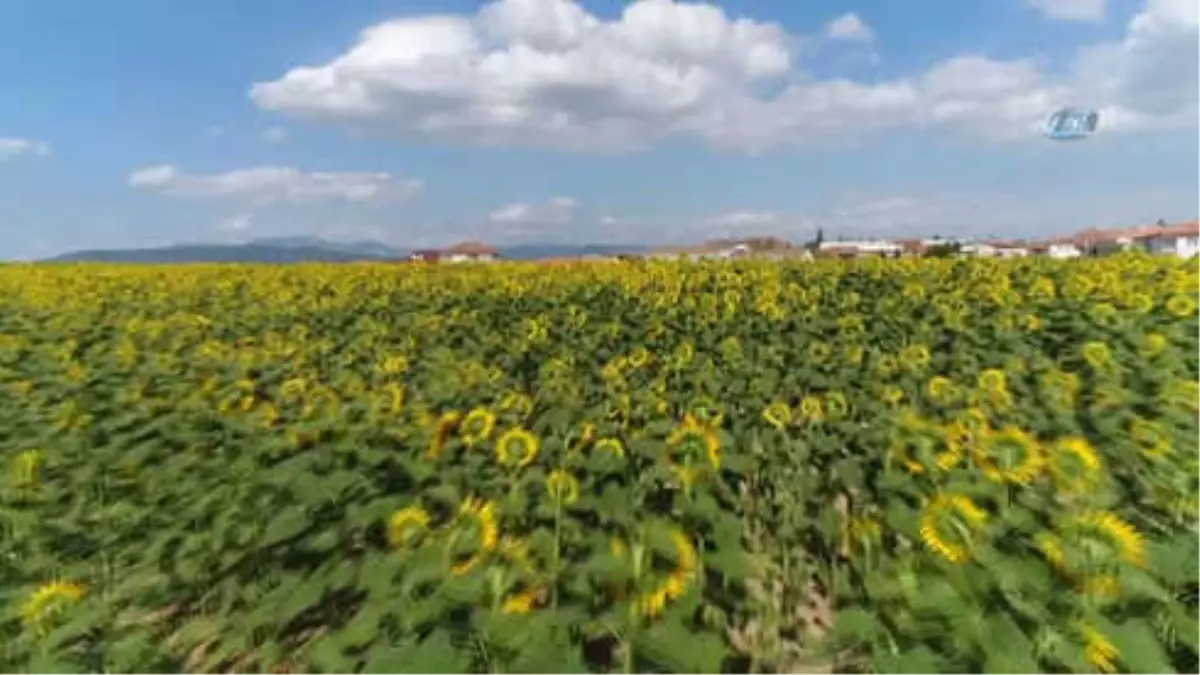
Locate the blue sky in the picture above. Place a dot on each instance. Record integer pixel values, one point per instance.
(142, 122)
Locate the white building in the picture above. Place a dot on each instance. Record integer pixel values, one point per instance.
(866, 248)
(1179, 240)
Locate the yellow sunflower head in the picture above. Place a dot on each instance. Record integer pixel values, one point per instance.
(1181, 306)
(517, 448)
(993, 380)
(610, 446)
(1097, 355)
(441, 435)
(1151, 438)
(477, 426)
(1074, 465)
(48, 602)
(406, 525)
(1010, 455)
(778, 414)
(563, 486)
(475, 536)
(950, 525)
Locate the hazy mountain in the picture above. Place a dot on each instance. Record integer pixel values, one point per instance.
(538, 251)
(195, 253)
(312, 249)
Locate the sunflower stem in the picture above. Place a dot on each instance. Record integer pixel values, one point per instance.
(557, 552)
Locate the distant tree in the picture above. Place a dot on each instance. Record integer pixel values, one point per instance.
(815, 244)
(1161, 223)
(946, 250)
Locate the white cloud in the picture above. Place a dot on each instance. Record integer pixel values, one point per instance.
(1071, 10)
(1148, 79)
(547, 73)
(850, 28)
(12, 147)
(742, 219)
(277, 184)
(609, 220)
(274, 134)
(236, 223)
(553, 212)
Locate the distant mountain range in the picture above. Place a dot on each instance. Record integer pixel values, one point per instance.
(312, 249)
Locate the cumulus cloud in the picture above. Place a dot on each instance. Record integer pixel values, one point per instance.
(555, 211)
(547, 73)
(850, 28)
(277, 184)
(1149, 79)
(12, 147)
(1071, 10)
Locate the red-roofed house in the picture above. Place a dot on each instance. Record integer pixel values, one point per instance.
(1181, 239)
(470, 251)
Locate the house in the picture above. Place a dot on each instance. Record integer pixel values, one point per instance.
(913, 247)
(427, 255)
(860, 249)
(470, 251)
(1182, 240)
(1061, 248)
(729, 249)
(997, 248)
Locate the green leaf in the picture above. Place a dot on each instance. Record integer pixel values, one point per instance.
(854, 625)
(434, 654)
(1007, 649)
(671, 645)
(919, 660)
(1139, 647)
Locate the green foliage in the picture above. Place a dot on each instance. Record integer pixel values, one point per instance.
(887, 466)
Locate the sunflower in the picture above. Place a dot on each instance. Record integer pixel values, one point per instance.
(949, 524)
(587, 433)
(1181, 306)
(1182, 394)
(445, 427)
(859, 533)
(1150, 438)
(48, 601)
(1074, 465)
(477, 426)
(915, 357)
(1052, 550)
(1104, 530)
(611, 446)
(525, 601)
(778, 415)
(518, 403)
(819, 352)
(993, 380)
(1098, 649)
(639, 357)
(1153, 345)
(563, 486)
(480, 516)
(652, 603)
(886, 364)
(26, 469)
(406, 525)
(517, 448)
(516, 551)
(942, 390)
(853, 354)
(708, 411)
(691, 436)
(1096, 354)
(1010, 455)
(836, 405)
(891, 395)
(811, 410)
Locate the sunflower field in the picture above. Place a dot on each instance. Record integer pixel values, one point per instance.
(862, 466)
